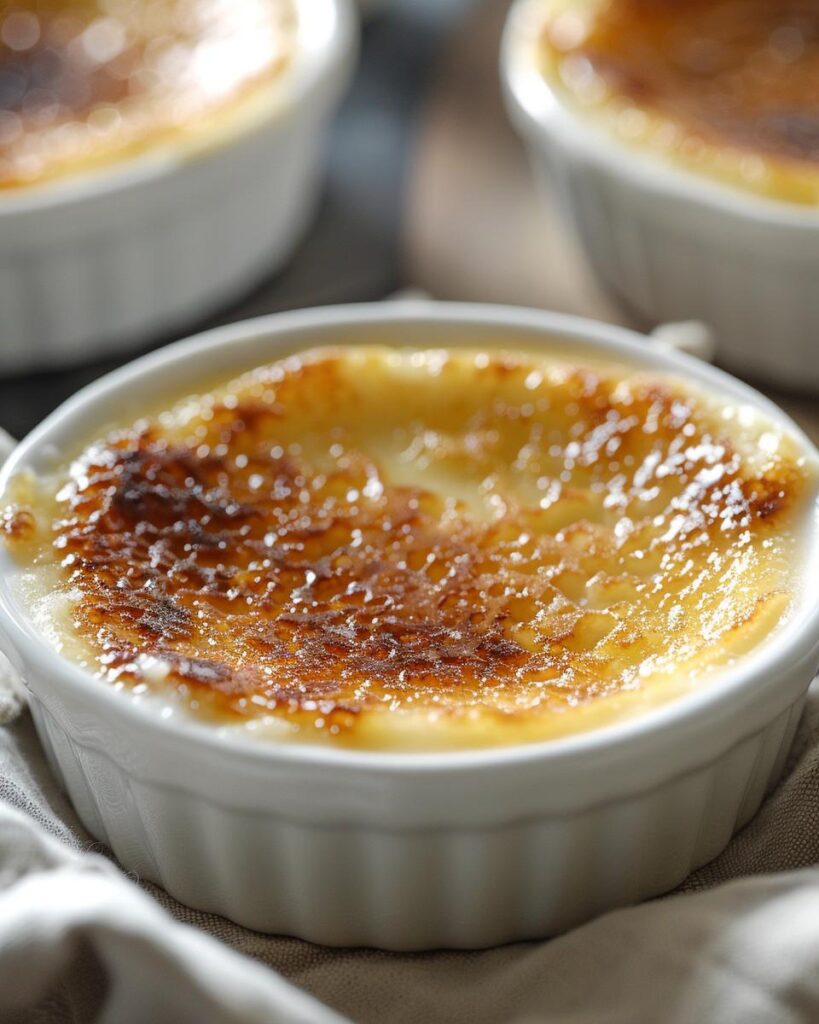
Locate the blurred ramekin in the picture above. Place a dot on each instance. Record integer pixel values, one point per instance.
(671, 243)
(408, 851)
(95, 264)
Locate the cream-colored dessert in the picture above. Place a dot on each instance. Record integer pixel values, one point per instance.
(395, 549)
(89, 83)
(727, 88)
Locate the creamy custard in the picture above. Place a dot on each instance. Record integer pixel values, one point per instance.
(396, 549)
(87, 83)
(727, 88)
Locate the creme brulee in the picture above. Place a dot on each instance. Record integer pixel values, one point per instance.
(396, 549)
(88, 83)
(727, 88)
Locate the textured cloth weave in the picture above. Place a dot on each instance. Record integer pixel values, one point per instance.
(79, 942)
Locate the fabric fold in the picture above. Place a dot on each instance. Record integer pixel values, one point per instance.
(738, 943)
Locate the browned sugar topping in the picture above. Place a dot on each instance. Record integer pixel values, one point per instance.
(280, 563)
(90, 79)
(743, 71)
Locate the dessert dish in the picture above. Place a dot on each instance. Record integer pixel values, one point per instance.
(409, 549)
(155, 161)
(678, 141)
(465, 845)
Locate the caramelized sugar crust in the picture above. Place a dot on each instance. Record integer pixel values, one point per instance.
(742, 73)
(89, 81)
(362, 531)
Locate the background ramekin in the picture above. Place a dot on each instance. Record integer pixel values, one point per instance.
(101, 262)
(407, 851)
(672, 244)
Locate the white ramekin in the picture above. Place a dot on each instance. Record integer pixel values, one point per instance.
(96, 264)
(408, 851)
(672, 244)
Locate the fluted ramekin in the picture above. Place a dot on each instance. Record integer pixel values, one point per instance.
(408, 851)
(671, 243)
(94, 264)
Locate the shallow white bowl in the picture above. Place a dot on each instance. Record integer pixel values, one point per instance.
(407, 851)
(672, 244)
(94, 264)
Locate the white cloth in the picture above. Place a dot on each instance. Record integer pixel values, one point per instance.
(79, 942)
(56, 903)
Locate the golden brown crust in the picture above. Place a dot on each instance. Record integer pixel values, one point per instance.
(92, 81)
(621, 537)
(744, 72)
(18, 524)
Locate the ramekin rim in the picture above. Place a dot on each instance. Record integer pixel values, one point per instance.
(790, 644)
(539, 108)
(316, 66)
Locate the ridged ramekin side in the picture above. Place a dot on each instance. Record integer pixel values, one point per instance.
(417, 888)
(117, 269)
(668, 259)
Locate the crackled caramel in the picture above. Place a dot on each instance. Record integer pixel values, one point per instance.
(85, 83)
(728, 87)
(389, 548)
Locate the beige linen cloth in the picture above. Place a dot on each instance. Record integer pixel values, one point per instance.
(738, 943)
(79, 942)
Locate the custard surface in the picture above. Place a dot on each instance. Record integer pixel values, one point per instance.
(394, 549)
(87, 83)
(725, 87)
